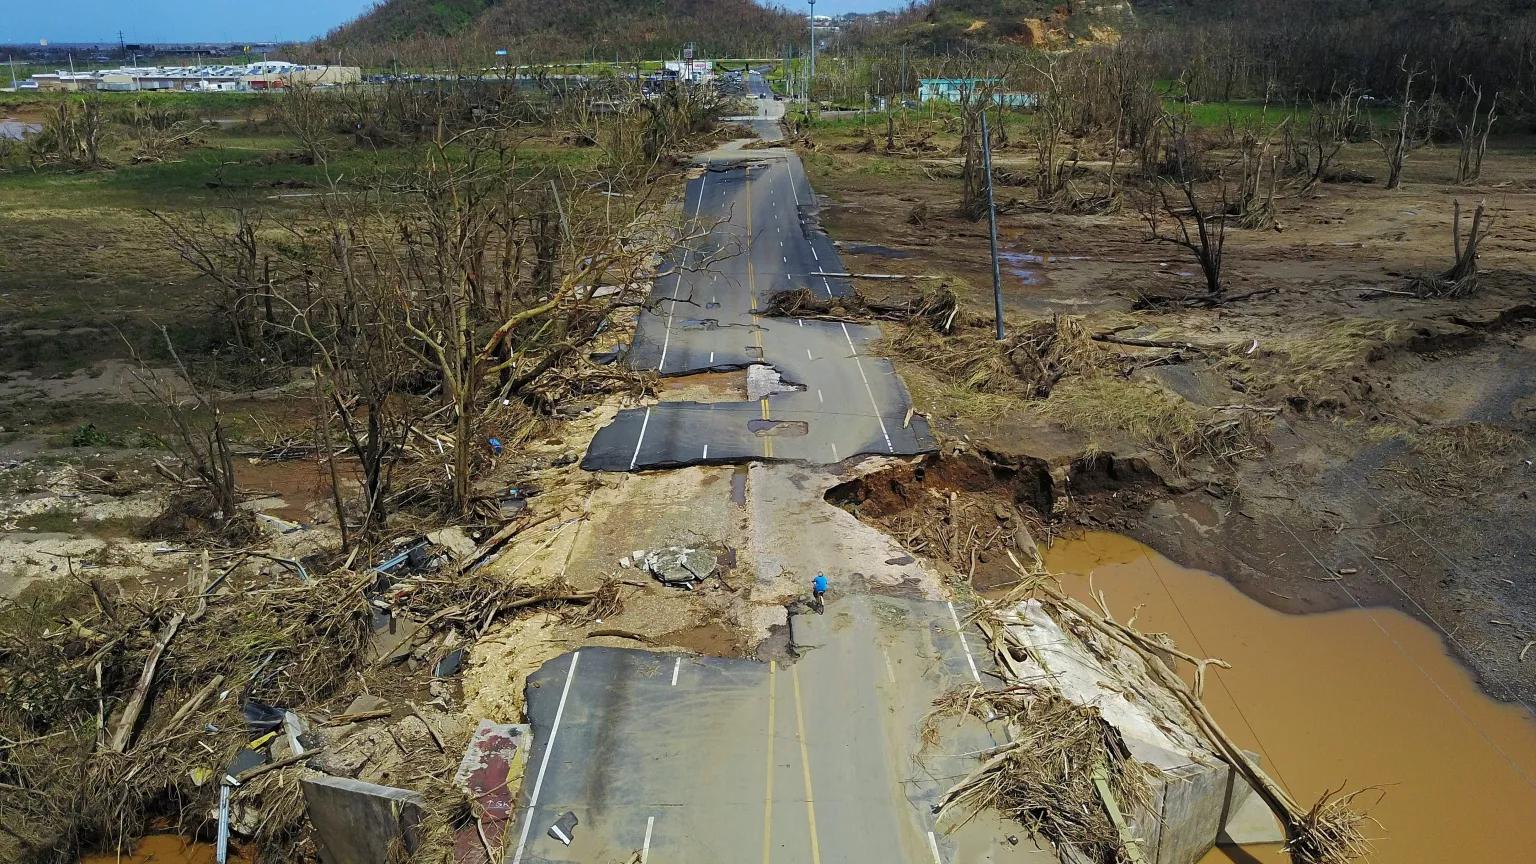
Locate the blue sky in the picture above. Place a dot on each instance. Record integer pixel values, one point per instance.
(27, 21)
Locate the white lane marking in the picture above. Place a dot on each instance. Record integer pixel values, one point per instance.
(859, 364)
(678, 664)
(678, 285)
(835, 457)
(705, 456)
(549, 749)
(933, 844)
(801, 321)
(781, 242)
(890, 672)
(711, 358)
(786, 258)
(792, 188)
(813, 252)
(818, 397)
(808, 355)
(643, 423)
(963, 643)
(828, 284)
(645, 848)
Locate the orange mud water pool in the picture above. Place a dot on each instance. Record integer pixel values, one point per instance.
(165, 849)
(1351, 698)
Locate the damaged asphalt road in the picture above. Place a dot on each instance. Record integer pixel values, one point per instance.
(708, 760)
(762, 241)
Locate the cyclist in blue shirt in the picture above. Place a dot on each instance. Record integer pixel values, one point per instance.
(818, 591)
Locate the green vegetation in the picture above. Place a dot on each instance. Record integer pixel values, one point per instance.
(466, 33)
(232, 103)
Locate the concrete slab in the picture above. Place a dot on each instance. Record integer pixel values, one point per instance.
(489, 773)
(357, 822)
(1250, 823)
(1194, 793)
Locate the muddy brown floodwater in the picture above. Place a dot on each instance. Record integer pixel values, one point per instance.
(164, 849)
(298, 482)
(1357, 698)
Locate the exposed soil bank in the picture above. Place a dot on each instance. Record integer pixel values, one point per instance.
(1351, 697)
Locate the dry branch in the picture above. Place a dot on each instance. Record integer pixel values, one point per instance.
(123, 735)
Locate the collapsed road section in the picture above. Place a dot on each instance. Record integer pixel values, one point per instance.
(707, 313)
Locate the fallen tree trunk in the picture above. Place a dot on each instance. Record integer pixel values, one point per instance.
(123, 735)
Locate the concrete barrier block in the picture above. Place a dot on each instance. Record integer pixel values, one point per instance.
(357, 822)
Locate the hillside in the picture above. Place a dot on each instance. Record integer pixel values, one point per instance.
(575, 29)
(948, 25)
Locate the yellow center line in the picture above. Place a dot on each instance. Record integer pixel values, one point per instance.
(768, 793)
(805, 768)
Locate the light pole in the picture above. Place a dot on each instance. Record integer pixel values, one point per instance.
(810, 81)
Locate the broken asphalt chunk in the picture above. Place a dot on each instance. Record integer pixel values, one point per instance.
(681, 565)
(564, 828)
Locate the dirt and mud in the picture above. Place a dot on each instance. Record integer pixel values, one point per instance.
(1387, 440)
(1361, 696)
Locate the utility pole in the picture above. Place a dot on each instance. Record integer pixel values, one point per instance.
(12, 61)
(810, 81)
(997, 273)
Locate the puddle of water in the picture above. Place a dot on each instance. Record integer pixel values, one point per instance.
(779, 428)
(164, 849)
(298, 482)
(875, 249)
(739, 486)
(712, 640)
(1029, 267)
(1357, 697)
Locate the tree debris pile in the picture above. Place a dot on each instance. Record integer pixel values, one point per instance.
(131, 709)
(1043, 778)
(1029, 363)
(1128, 680)
(963, 510)
(935, 309)
(118, 710)
(1073, 376)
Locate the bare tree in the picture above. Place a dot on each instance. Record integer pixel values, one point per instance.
(1199, 221)
(1311, 148)
(73, 134)
(1461, 279)
(198, 435)
(1417, 119)
(308, 115)
(974, 102)
(1472, 128)
(157, 129)
(233, 255)
(1053, 114)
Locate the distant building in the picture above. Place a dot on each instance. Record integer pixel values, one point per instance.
(952, 89)
(269, 75)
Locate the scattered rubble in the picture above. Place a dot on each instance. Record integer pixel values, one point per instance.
(680, 566)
